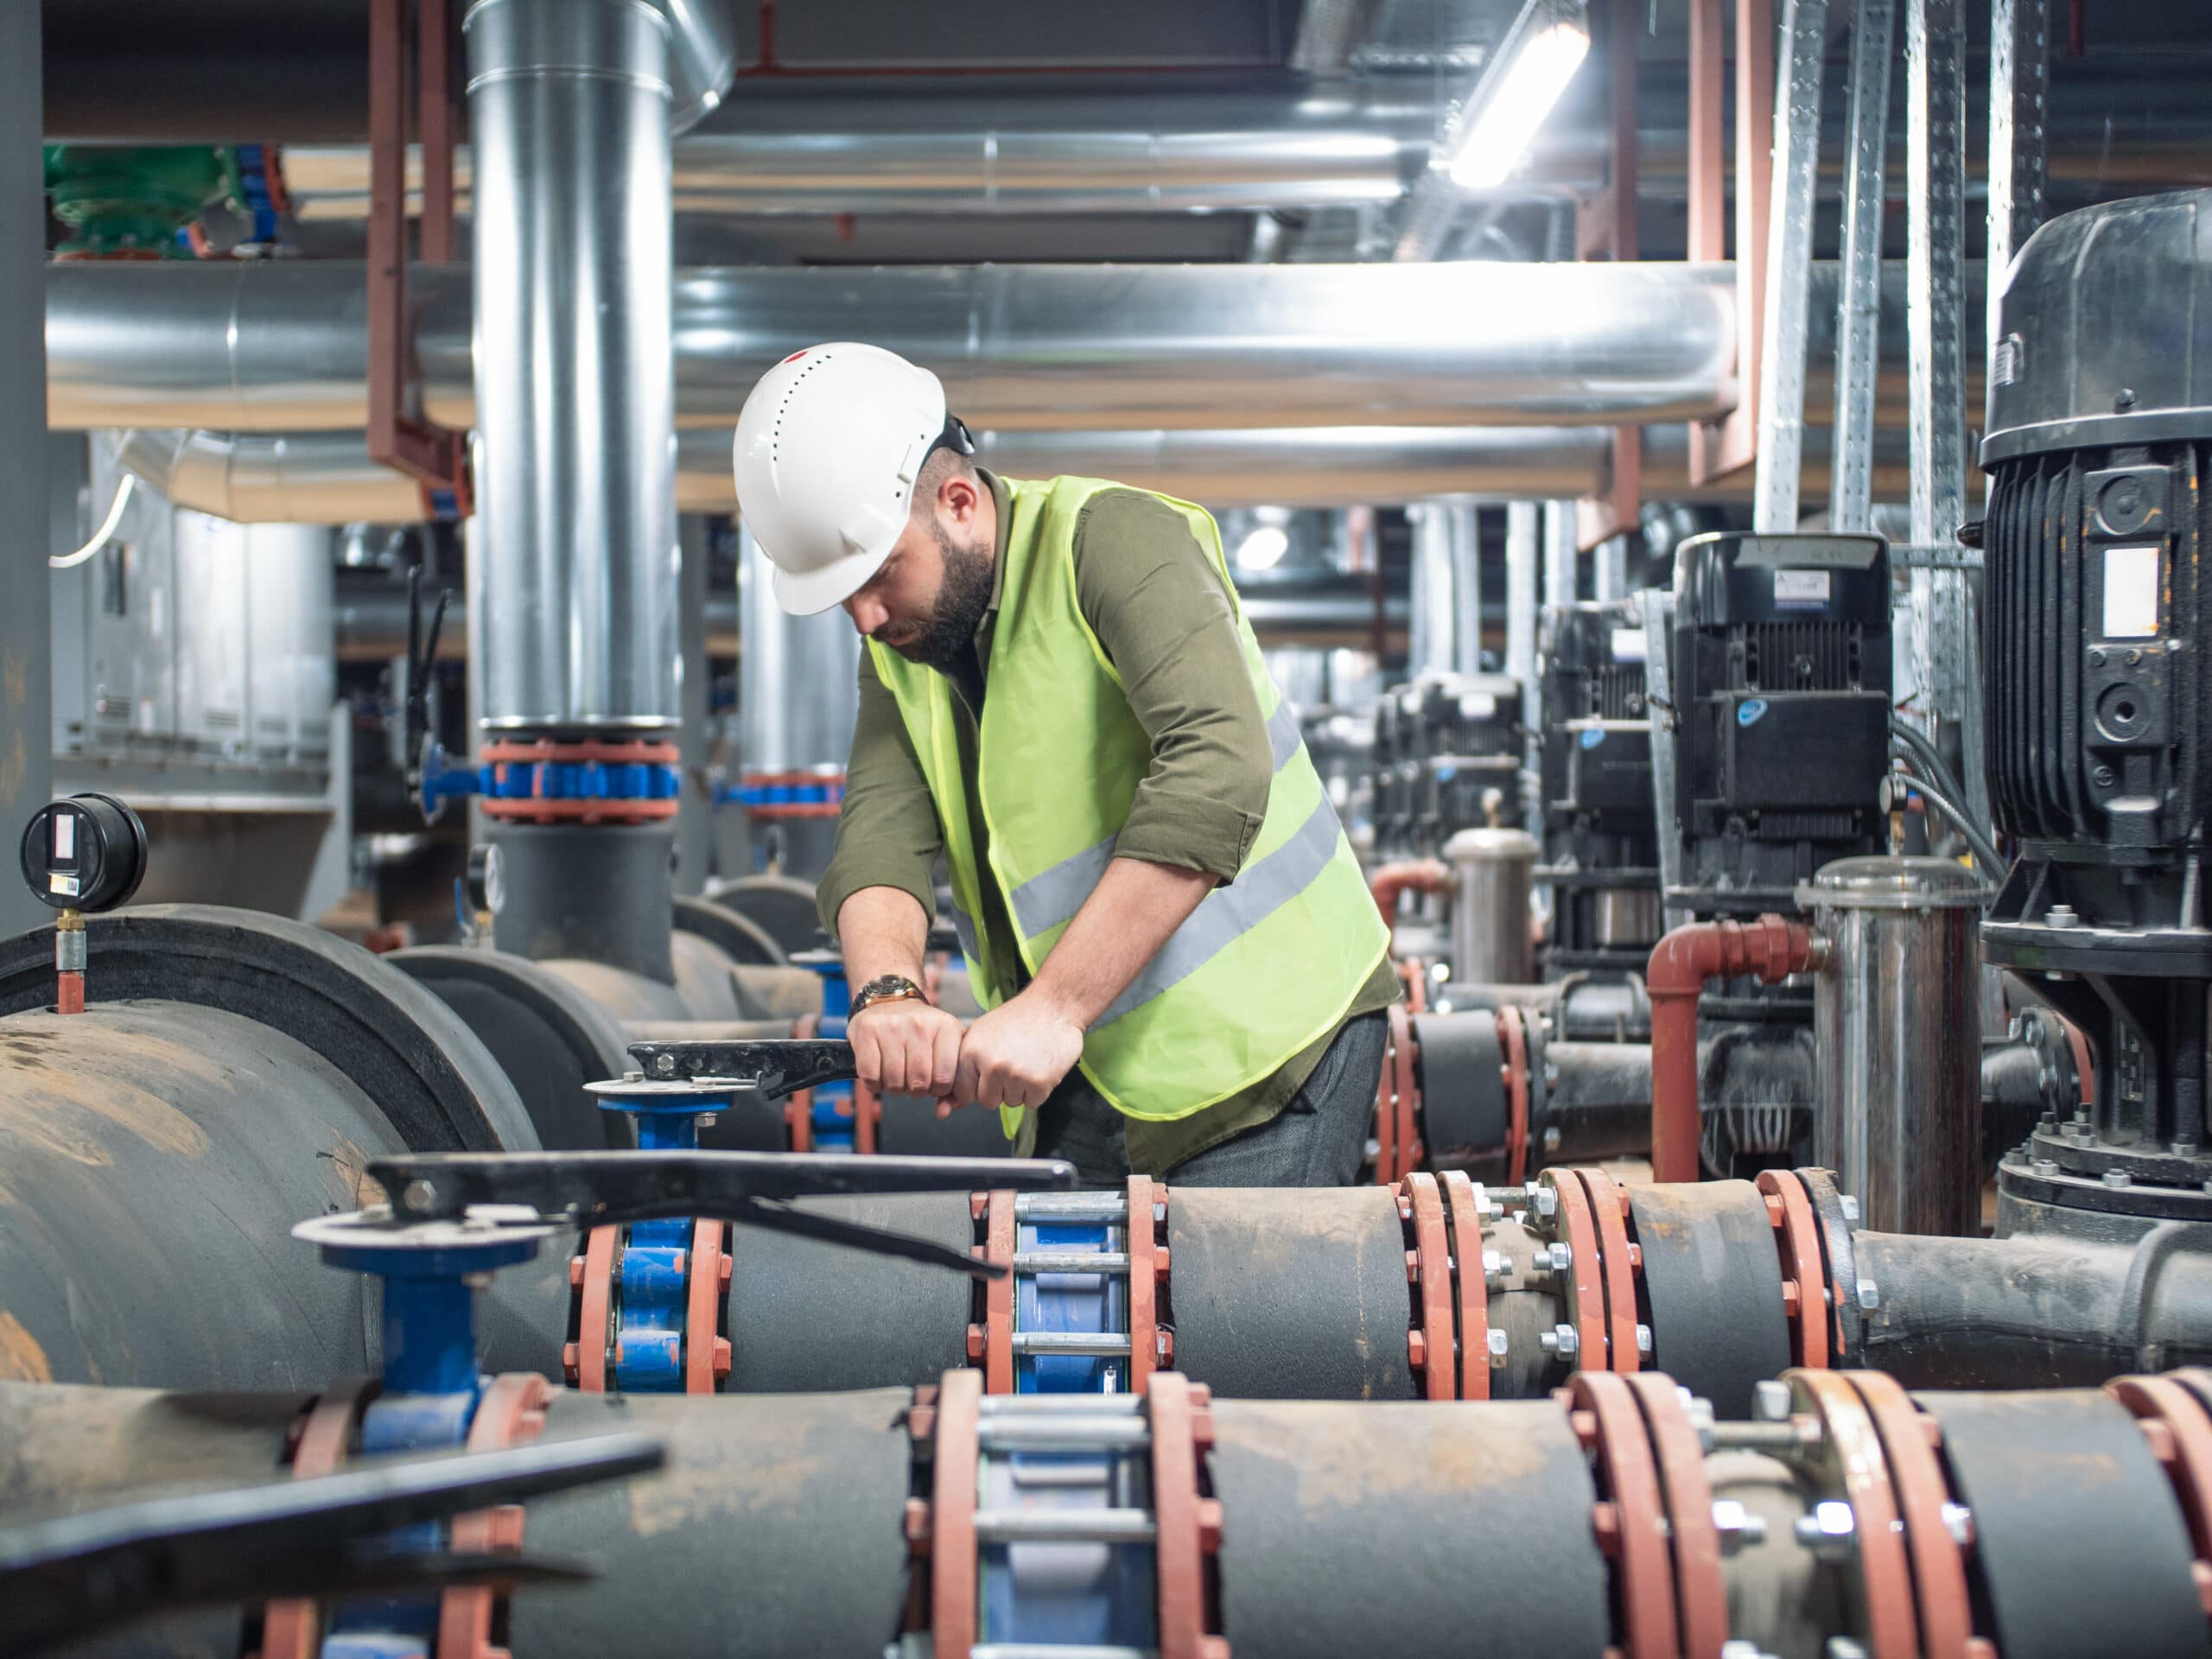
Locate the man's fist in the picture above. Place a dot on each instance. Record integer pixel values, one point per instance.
(1016, 1054)
(905, 1047)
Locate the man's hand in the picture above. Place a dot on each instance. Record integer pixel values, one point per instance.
(1016, 1054)
(905, 1047)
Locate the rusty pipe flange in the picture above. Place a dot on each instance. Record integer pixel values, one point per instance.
(1513, 1038)
(1187, 1522)
(1837, 1214)
(1629, 1337)
(539, 808)
(1471, 1284)
(293, 1629)
(956, 1443)
(1151, 1339)
(1925, 1502)
(995, 1348)
(511, 1413)
(1806, 1294)
(706, 1349)
(1700, 1594)
(1631, 1518)
(1432, 1345)
(591, 1282)
(1849, 1466)
(2177, 1421)
(1583, 1297)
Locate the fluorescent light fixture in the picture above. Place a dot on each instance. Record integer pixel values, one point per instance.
(1534, 64)
(1263, 548)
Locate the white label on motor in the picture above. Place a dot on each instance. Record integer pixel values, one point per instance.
(2131, 592)
(1477, 705)
(64, 837)
(1629, 646)
(64, 885)
(1801, 586)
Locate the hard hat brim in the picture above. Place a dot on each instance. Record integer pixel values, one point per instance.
(810, 593)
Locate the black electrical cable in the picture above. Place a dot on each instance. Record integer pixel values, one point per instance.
(1932, 762)
(1985, 850)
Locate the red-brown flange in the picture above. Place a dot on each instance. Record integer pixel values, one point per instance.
(293, 1629)
(1939, 1567)
(2176, 1422)
(1636, 1538)
(1434, 1252)
(595, 1310)
(1411, 1152)
(1473, 1288)
(1386, 1110)
(1701, 1593)
(952, 1515)
(1797, 1236)
(1187, 1524)
(706, 1351)
(535, 809)
(1891, 1629)
(1586, 1299)
(512, 1413)
(1513, 1037)
(999, 1233)
(1144, 1281)
(1607, 1210)
(867, 1114)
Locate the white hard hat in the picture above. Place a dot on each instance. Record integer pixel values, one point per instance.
(828, 445)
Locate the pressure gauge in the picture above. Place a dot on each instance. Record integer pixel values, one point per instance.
(87, 852)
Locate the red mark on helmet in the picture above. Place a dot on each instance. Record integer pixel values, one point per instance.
(793, 357)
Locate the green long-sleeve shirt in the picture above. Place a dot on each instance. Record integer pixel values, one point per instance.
(1159, 608)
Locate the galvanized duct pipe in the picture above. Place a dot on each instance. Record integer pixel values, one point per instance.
(279, 347)
(569, 104)
(328, 478)
(1323, 145)
(954, 146)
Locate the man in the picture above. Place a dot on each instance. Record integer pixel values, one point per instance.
(1183, 972)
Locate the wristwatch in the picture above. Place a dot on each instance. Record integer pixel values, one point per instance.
(886, 987)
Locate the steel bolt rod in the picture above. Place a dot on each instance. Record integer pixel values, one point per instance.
(1101, 1345)
(1070, 1206)
(1071, 1262)
(1065, 1526)
(1085, 1434)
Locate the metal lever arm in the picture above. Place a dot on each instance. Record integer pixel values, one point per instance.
(774, 1067)
(75, 1576)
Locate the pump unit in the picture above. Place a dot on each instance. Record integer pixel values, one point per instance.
(2100, 437)
(1600, 832)
(1781, 683)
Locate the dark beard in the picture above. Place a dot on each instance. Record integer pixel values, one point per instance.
(962, 599)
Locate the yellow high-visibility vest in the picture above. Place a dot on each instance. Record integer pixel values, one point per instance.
(1264, 968)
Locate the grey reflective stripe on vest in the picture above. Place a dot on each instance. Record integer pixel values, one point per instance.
(1053, 896)
(966, 930)
(1227, 914)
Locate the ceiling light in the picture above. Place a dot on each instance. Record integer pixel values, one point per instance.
(1533, 65)
(1263, 548)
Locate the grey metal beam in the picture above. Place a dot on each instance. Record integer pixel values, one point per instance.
(1948, 680)
(1859, 304)
(2019, 80)
(1788, 263)
(26, 626)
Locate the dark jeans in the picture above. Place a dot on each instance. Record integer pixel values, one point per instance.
(1316, 1140)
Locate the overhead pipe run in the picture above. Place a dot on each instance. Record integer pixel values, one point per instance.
(326, 478)
(279, 347)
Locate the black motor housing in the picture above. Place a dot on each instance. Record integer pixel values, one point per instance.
(1781, 673)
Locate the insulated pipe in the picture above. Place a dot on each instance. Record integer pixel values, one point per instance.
(1771, 949)
(280, 347)
(575, 395)
(1392, 882)
(328, 478)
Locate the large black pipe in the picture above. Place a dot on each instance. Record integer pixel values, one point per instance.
(2035, 1310)
(231, 1076)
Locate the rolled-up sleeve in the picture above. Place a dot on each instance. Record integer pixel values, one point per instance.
(1162, 609)
(887, 830)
